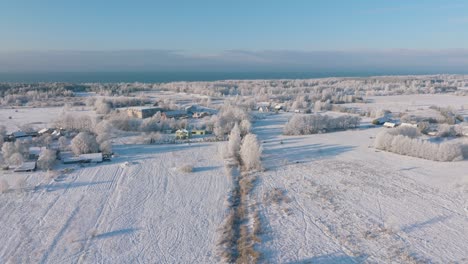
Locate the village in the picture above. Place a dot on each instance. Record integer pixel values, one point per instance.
(150, 165)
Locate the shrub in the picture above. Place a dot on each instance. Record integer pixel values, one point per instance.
(187, 168)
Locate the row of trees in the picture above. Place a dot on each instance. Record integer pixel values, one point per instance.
(313, 124)
(405, 141)
(246, 150)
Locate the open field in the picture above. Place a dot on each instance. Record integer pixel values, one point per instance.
(348, 203)
(137, 208)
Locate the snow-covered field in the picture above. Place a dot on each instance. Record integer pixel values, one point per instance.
(342, 200)
(35, 117)
(143, 211)
(348, 203)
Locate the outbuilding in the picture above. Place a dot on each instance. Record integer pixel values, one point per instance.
(26, 167)
(390, 124)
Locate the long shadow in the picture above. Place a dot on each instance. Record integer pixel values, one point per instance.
(206, 168)
(302, 154)
(412, 227)
(114, 233)
(139, 152)
(61, 186)
(332, 259)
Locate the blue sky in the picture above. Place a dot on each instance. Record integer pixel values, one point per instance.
(221, 28)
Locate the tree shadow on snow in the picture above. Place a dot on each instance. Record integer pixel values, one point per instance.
(206, 168)
(61, 186)
(114, 233)
(332, 259)
(274, 158)
(434, 220)
(140, 152)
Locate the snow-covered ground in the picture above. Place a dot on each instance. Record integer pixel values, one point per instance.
(139, 208)
(348, 203)
(343, 201)
(402, 103)
(36, 117)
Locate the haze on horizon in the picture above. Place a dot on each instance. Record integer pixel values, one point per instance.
(90, 36)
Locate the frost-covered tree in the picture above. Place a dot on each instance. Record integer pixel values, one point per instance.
(4, 186)
(63, 143)
(251, 152)
(8, 149)
(16, 159)
(106, 147)
(84, 143)
(245, 127)
(47, 159)
(312, 124)
(404, 141)
(102, 106)
(103, 130)
(234, 142)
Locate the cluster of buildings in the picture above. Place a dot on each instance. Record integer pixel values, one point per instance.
(193, 111)
(268, 107)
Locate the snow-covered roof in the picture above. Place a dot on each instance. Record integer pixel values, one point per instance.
(19, 134)
(389, 124)
(94, 157)
(91, 157)
(142, 108)
(198, 108)
(182, 131)
(44, 130)
(26, 166)
(36, 150)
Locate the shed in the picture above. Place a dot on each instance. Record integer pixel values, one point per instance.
(408, 125)
(92, 157)
(390, 124)
(84, 158)
(198, 132)
(26, 166)
(44, 131)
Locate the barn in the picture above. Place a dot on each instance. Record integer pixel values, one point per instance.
(143, 111)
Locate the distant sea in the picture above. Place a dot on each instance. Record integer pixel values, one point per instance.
(163, 77)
